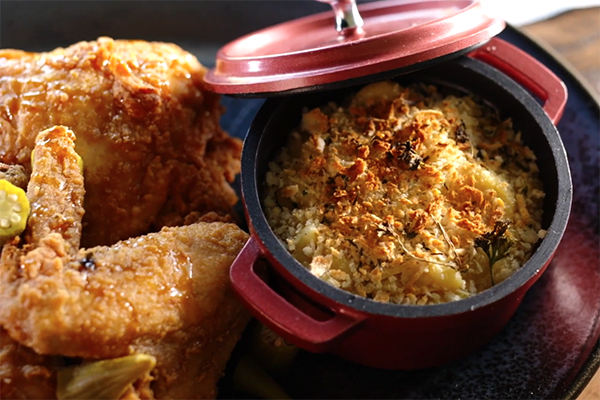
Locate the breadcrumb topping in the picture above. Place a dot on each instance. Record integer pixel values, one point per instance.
(406, 195)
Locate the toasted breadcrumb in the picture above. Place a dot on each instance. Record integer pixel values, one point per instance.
(386, 196)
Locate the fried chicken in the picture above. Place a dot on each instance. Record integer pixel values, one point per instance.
(166, 294)
(147, 130)
(25, 374)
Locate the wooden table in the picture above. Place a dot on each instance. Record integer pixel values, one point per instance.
(575, 37)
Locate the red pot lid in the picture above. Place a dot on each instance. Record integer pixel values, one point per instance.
(308, 53)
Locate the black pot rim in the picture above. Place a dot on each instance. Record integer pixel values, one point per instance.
(530, 270)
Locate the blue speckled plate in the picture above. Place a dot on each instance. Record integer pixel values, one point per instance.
(550, 347)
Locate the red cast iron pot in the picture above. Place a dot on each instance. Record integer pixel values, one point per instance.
(319, 317)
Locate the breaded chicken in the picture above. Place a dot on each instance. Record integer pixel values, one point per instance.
(166, 294)
(147, 130)
(25, 374)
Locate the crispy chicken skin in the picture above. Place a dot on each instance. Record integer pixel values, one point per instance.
(166, 294)
(191, 361)
(147, 130)
(25, 374)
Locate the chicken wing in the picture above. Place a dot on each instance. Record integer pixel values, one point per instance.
(166, 294)
(147, 130)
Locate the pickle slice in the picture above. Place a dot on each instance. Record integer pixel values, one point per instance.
(14, 210)
(106, 379)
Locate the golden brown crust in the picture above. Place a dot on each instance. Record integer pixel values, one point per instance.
(386, 196)
(15, 174)
(25, 374)
(55, 174)
(154, 156)
(142, 118)
(166, 294)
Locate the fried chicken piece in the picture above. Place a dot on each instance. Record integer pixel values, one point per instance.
(55, 178)
(15, 174)
(25, 374)
(190, 362)
(147, 130)
(167, 294)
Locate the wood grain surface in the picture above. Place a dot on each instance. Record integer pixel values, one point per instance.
(575, 36)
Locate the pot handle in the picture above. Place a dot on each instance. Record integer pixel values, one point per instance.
(277, 313)
(528, 72)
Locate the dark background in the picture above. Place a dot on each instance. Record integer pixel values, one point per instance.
(198, 26)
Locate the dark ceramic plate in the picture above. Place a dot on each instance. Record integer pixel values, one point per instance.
(549, 349)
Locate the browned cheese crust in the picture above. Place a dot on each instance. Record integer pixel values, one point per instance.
(398, 194)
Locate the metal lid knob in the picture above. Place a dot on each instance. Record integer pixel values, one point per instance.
(347, 18)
